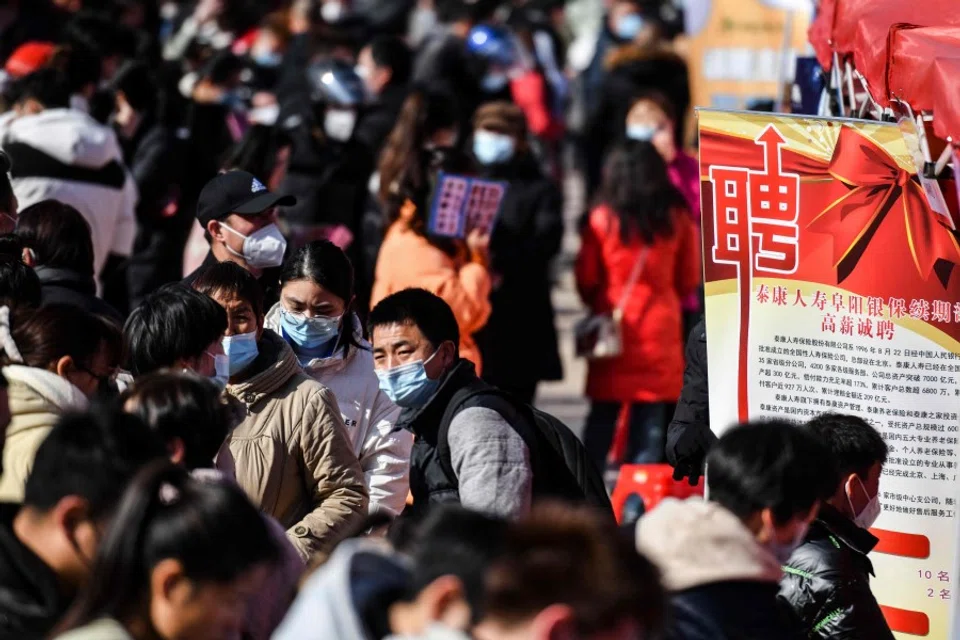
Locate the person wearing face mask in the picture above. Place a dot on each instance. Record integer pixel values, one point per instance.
(721, 558)
(493, 46)
(524, 243)
(826, 582)
(384, 65)
(316, 317)
(49, 538)
(239, 217)
(55, 359)
(291, 453)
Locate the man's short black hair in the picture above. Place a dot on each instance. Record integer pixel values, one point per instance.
(854, 443)
(230, 279)
(394, 54)
(773, 464)
(19, 283)
(173, 323)
(48, 86)
(92, 455)
(422, 309)
(58, 235)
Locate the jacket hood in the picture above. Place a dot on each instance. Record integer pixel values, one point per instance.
(34, 390)
(332, 364)
(274, 366)
(695, 543)
(631, 53)
(70, 136)
(330, 602)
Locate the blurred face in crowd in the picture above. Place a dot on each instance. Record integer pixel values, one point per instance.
(308, 299)
(375, 78)
(442, 603)
(399, 344)
(204, 365)
(87, 378)
(267, 49)
(443, 139)
(184, 609)
(241, 317)
(772, 533)
(244, 225)
(624, 19)
(857, 493)
(647, 117)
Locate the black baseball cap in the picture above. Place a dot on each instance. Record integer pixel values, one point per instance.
(237, 192)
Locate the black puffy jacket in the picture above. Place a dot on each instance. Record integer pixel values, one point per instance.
(827, 581)
(689, 437)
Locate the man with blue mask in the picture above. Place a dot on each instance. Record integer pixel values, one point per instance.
(479, 455)
(239, 216)
(721, 558)
(827, 580)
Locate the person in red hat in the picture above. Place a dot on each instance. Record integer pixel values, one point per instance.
(29, 57)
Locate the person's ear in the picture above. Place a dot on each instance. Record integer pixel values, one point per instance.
(445, 601)
(768, 526)
(69, 512)
(177, 450)
(556, 622)
(167, 581)
(213, 228)
(65, 366)
(26, 257)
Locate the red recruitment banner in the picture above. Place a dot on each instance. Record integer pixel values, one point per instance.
(832, 287)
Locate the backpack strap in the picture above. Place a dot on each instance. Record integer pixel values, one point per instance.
(459, 401)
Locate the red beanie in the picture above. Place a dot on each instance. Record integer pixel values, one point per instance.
(28, 58)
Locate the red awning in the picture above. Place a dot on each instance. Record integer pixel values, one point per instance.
(877, 16)
(821, 33)
(945, 87)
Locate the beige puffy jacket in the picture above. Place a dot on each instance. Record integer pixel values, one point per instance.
(291, 453)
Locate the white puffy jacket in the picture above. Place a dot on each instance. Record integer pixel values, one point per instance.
(370, 418)
(66, 155)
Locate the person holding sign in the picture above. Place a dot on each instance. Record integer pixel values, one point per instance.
(827, 580)
(419, 148)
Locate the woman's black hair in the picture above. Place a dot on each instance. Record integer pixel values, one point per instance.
(326, 265)
(637, 188)
(6, 189)
(58, 235)
(211, 528)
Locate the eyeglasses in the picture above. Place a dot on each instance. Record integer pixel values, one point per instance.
(103, 381)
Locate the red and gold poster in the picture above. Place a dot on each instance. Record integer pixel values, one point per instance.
(832, 287)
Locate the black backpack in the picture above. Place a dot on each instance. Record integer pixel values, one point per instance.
(562, 469)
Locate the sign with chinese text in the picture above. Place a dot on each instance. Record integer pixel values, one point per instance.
(831, 286)
(462, 204)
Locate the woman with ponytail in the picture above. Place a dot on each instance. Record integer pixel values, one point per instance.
(179, 562)
(54, 359)
(420, 146)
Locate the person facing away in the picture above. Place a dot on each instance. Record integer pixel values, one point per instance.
(567, 572)
(57, 244)
(429, 585)
(523, 245)
(721, 558)
(482, 461)
(193, 418)
(239, 217)
(689, 438)
(291, 453)
(55, 359)
(176, 327)
(19, 284)
(826, 582)
(63, 154)
(180, 561)
(49, 541)
(315, 316)
(639, 256)
(456, 271)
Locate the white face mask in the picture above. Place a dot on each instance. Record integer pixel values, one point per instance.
(870, 513)
(263, 248)
(338, 124)
(332, 11)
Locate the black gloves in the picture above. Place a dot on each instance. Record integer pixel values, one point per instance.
(687, 448)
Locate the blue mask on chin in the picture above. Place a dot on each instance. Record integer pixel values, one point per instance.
(408, 385)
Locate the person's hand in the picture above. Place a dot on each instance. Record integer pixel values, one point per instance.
(205, 92)
(479, 245)
(689, 452)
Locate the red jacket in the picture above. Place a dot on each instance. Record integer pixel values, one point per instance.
(651, 366)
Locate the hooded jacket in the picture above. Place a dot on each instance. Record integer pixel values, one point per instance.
(64, 154)
(65, 286)
(30, 599)
(339, 598)
(291, 453)
(370, 417)
(37, 400)
(722, 583)
(827, 581)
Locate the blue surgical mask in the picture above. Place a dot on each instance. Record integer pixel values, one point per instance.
(241, 350)
(629, 26)
(492, 148)
(308, 333)
(222, 367)
(641, 132)
(781, 551)
(408, 385)
(268, 59)
(494, 82)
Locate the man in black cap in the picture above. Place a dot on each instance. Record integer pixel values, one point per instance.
(239, 218)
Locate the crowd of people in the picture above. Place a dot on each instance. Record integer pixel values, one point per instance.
(248, 392)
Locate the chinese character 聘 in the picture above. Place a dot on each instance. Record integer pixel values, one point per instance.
(885, 329)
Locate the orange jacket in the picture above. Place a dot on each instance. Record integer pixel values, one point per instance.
(651, 366)
(408, 260)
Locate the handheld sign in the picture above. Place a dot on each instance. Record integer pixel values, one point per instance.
(461, 204)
